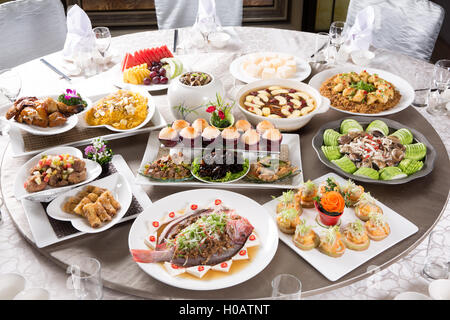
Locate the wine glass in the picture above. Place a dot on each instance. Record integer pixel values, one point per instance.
(206, 25)
(10, 85)
(102, 39)
(337, 34)
(441, 80)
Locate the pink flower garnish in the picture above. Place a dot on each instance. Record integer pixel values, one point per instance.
(211, 109)
(89, 149)
(71, 94)
(221, 114)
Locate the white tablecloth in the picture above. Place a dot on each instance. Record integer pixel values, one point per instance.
(18, 256)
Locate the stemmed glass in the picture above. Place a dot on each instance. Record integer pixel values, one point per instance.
(10, 85)
(441, 80)
(206, 26)
(337, 34)
(103, 39)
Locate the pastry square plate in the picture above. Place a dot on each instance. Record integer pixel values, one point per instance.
(335, 268)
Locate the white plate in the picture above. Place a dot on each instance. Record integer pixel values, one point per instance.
(151, 108)
(93, 170)
(44, 233)
(69, 124)
(265, 228)
(292, 140)
(236, 69)
(335, 268)
(116, 183)
(118, 80)
(400, 84)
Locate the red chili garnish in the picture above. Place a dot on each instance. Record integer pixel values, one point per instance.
(224, 265)
(242, 252)
(155, 224)
(152, 238)
(194, 207)
(174, 266)
(252, 237)
(217, 202)
(172, 214)
(201, 268)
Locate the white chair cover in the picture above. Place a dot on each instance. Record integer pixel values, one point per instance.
(408, 26)
(30, 29)
(173, 14)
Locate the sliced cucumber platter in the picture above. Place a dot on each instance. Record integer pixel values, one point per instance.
(376, 151)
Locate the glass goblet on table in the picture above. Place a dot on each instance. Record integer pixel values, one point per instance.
(102, 39)
(441, 80)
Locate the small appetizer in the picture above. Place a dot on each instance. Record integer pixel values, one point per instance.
(242, 125)
(287, 220)
(329, 185)
(200, 124)
(270, 169)
(377, 228)
(271, 138)
(331, 243)
(352, 193)
(355, 236)
(365, 206)
(190, 137)
(307, 193)
(263, 126)
(289, 200)
(251, 139)
(304, 237)
(230, 137)
(168, 136)
(179, 125)
(210, 135)
(170, 167)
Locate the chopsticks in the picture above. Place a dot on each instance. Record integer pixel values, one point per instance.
(175, 39)
(54, 69)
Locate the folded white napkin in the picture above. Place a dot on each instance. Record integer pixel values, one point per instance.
(80, 37)
(359, 36)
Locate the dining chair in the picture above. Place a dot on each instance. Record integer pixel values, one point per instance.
(30, 29)
(172, 14)
(407, 26)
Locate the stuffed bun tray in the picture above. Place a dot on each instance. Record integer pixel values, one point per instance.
(374, 150)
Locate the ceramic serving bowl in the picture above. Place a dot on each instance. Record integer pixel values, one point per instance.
(190, 102)
(283, 124)
(219, 39)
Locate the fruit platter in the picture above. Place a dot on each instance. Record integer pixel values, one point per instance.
(379, 151)
(151, 69)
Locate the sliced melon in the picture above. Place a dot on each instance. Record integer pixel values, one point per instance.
(330, 137)
(416, 151)
(367, 173)
(405, 136)
(378, 126)
(331, 152)
(392, 173)
(345, 164)
(350, 125)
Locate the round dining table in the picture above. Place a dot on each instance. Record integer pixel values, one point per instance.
(395, 270)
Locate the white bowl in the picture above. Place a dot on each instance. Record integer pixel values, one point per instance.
(409, 295)
(219, 39)
(440, 289)
(189, 102)
(284, 124)
(362, 57)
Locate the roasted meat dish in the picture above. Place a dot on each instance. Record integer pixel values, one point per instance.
(203, 237)
(44, 113)
(56, 171)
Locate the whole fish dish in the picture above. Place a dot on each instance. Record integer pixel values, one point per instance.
(198, 238)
